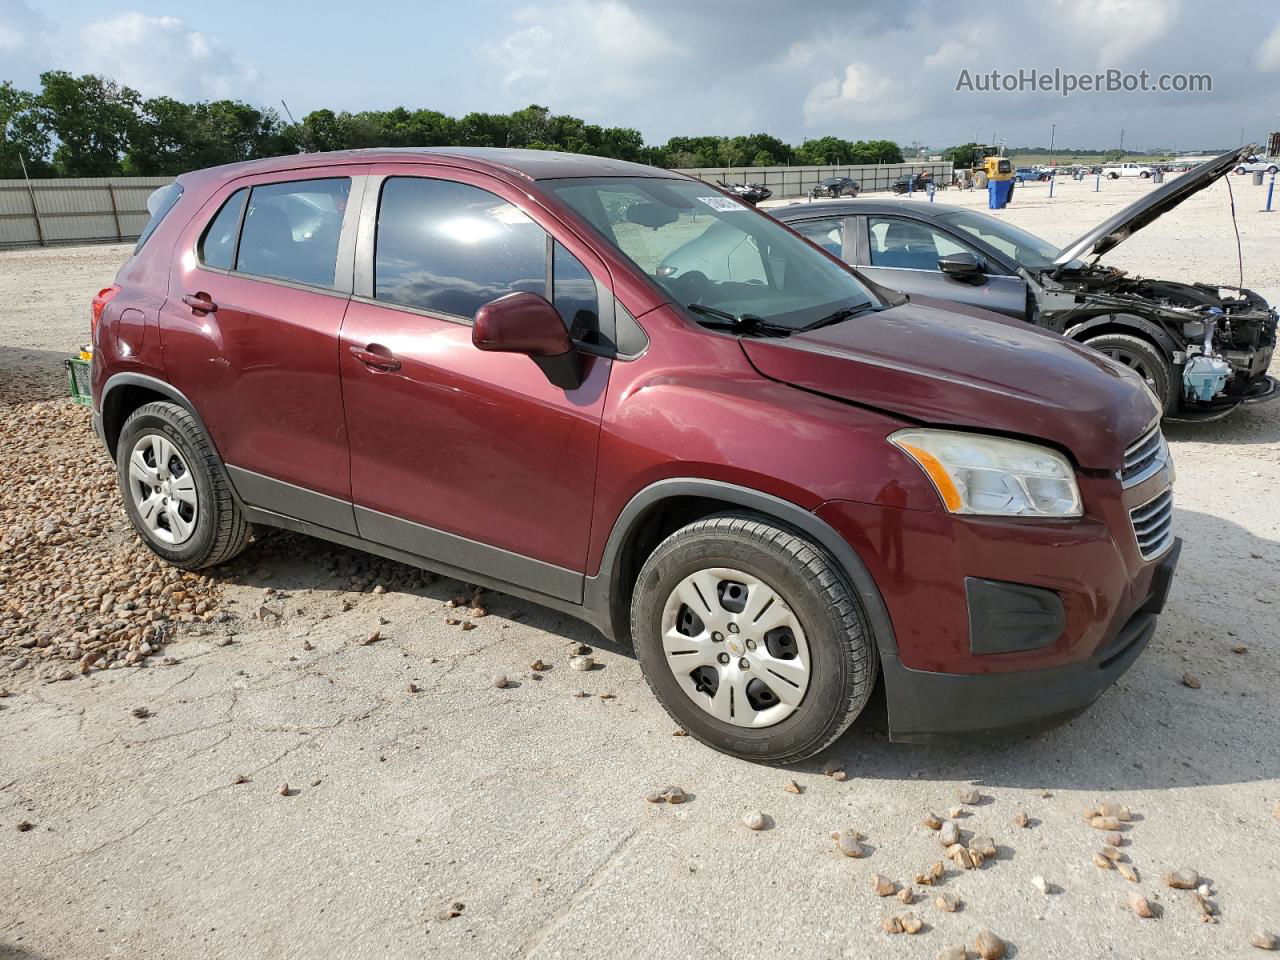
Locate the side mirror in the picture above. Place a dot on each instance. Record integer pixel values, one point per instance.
(965, 267)
(526, 323)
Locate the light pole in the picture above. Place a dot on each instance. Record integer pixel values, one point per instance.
(1053, 130)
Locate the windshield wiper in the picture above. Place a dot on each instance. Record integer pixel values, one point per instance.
(740, 322)
(844, 313)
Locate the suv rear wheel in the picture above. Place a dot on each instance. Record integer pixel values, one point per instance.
(1145, 359)
(751, 639)
(175, 490)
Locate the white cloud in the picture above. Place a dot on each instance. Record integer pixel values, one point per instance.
(1119, 28)
(24, 36)
(1268, 58)
(162, 55)
(597, 47)
(862, 93)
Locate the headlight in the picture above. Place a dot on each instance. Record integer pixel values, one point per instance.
(990, 476)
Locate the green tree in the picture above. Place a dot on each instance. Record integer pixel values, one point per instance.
(825, 151)
(876, 151)
(22, 138)
(965, 155)
(91, 118)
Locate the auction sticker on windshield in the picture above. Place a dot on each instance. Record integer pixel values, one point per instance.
(723, 204)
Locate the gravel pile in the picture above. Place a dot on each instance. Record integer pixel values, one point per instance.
(78, 591)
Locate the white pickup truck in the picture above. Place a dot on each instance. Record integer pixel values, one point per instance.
(1117, 170)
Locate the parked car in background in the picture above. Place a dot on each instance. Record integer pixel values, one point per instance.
(772, 477)
(751, 193)
(836, 187)
(910, 182)
(1114, 171)
(1202, 349)
(1025, 174)
(1256, 164)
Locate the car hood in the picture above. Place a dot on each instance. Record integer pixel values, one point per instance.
(1108, 234)
(936, 363)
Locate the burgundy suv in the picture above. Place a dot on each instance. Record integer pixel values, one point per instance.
(772, 476)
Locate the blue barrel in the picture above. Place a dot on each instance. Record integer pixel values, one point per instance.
(998, 194)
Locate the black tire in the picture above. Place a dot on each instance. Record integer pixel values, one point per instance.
(1113, 176)
(1273, 169)
(841, 645)
(1144, 174)
(221, 530)
(1145, 357)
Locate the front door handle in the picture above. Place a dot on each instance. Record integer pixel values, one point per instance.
(376, 357)
(200, 302)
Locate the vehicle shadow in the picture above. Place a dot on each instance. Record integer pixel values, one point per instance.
(28, 375)
(1148, 731)
(9, 951)
(293, 562)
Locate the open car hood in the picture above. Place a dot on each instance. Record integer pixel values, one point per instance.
(949, 365)
(1158, 202)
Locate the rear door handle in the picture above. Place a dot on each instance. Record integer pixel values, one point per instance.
(376, 357)
(200, 302)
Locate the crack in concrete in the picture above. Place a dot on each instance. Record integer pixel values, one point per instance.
(536, 940)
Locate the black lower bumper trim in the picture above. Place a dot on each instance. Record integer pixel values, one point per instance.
(925, 707)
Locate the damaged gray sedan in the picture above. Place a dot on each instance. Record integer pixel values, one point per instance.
(1203, 349)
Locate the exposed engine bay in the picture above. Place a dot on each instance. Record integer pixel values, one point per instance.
(1221, 339)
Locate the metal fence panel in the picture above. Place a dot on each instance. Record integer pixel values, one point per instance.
(114, 209)
(75, 209)
(799, 181)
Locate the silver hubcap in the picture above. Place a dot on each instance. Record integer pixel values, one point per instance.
(735, 647)
(163, 490)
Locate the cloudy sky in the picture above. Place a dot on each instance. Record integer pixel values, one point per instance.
(854, 68)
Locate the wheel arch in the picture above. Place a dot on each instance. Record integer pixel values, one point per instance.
(1126, 324)
(665, 506)
(124, 393)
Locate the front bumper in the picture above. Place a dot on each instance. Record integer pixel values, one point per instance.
(925, 706)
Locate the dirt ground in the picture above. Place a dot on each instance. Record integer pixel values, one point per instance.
(467, 820)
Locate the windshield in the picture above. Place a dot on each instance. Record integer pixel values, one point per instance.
(713, 252)
(1025, 249)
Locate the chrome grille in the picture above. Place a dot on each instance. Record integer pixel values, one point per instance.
(1153, 524)
(1144, 458)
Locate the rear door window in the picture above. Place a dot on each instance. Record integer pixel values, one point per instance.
(291, 230)
(447, 247)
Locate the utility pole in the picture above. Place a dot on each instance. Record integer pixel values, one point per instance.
(1122, 143)
(1053, 130)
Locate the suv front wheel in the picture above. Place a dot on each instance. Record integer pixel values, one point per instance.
(175, 490)
(751, 639)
